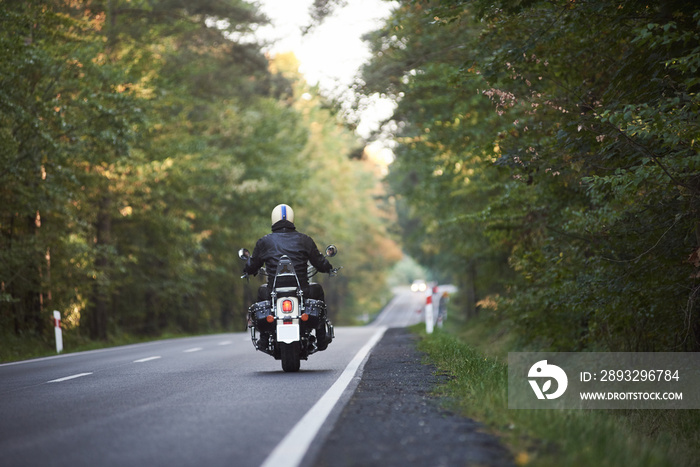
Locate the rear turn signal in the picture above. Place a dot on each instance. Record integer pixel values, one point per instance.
(287, 306)
(304, 317)
(270, 318)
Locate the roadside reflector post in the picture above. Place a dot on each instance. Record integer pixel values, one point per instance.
(442, 308)
(429, 311)
(58, 332)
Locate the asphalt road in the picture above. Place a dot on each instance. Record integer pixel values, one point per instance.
(405, 309)
(393, 420)
(204, 401)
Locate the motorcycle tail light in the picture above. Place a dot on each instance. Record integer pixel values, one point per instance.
(287, 306)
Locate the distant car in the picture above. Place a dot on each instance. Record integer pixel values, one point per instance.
(419, 285)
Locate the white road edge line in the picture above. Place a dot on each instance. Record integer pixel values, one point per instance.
(291, 450)
(147, 359)
(195, 349)
(227, 342)
(60, 380)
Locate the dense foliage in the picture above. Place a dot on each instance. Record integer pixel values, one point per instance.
(141, 144)
(547, 156)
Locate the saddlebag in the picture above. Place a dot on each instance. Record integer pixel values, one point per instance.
(316, 309)
(258, 315)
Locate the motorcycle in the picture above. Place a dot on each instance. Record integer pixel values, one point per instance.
(288, 326)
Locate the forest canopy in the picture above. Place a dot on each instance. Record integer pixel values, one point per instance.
(547, 158)
(141, 144)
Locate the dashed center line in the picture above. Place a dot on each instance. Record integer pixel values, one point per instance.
(147, 359)
(59, 380)
(141, 360)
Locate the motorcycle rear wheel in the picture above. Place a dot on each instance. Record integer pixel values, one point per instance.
(290, 353)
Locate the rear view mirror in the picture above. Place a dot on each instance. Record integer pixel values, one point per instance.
(331, 251)
(244, 254)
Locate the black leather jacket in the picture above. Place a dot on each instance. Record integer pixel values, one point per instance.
(285, 240)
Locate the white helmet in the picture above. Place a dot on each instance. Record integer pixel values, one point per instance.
(282, 212)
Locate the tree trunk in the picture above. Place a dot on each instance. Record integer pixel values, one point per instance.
(470, 289)
(100, 289)
(32, 302)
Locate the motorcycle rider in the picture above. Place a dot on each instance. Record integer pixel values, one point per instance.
(300, 248)
(286, 240)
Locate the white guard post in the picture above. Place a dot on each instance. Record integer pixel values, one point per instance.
(57, 330)
(429, 311)
(441, 303)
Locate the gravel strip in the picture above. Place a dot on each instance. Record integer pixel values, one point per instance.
(392, 419)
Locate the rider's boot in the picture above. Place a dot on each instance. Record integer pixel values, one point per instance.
(263, 341)
(322, 335)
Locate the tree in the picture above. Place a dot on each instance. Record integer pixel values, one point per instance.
(61, 122)
(588, 171)
(442, 175)
(143, 143)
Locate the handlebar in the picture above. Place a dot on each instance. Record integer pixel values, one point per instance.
(334, 272)
(261, 271)
(311, 271)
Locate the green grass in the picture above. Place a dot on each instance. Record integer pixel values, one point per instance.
(474, 357)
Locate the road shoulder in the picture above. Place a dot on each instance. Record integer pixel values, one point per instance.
(392, 419)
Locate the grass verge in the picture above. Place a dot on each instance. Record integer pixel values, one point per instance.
(474, 360)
